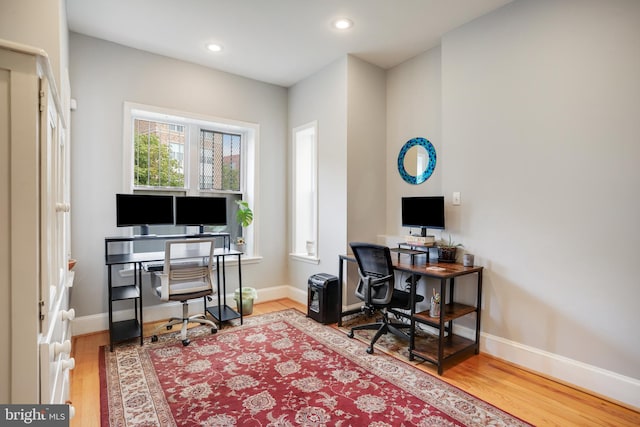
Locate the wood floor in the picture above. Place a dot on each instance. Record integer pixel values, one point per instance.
(535, 399)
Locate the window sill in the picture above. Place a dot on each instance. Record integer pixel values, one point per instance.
(244, 259)
(309, 259)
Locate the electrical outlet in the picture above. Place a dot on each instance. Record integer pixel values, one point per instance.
(456, 198)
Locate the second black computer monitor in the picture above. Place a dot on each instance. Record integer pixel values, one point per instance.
(201, 211)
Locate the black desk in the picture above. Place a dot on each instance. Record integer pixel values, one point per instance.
(132, 328)
(449, 346)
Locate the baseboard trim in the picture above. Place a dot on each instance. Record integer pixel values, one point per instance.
(591, 379)
(601, 382)
(82, 325)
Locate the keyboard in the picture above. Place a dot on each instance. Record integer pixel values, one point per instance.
(159, 265)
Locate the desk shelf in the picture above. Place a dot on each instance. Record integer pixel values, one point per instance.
(451, 312)
(453, 345)
(124, 292)
(125, 330)
(223, 313)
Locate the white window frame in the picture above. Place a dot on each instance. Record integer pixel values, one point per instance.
(249, 154)
(299, 252)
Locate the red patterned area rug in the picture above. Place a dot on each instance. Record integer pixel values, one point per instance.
(278, 369)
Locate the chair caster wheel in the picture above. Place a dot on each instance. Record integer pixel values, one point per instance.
(185, 342)
(370, 350)
(154, 338)
(169, 327)
(350, 334)
(214, 330)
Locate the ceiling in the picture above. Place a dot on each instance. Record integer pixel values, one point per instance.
(275, 41)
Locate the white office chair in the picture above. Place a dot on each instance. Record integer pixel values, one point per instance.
(186, 275)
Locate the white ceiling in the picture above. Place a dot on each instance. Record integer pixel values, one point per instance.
(275, 41)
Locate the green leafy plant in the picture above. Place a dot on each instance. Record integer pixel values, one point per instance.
(244, 216)
(447, 250)
(442, 243)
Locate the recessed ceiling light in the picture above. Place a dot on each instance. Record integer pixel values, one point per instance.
(342, 24)
(214, 47)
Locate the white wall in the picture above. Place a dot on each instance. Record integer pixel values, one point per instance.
(366, 158)
(347, 98)
(541, 102)
(104, 76)
(41, 24)
(413, 110)
(323, 97)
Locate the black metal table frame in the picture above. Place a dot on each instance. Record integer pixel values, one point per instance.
(223, 313)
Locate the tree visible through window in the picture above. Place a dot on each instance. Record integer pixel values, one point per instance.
(158, 154)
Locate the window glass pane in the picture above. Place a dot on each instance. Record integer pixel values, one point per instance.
(220, 161)
(158, 154)
(305, 191)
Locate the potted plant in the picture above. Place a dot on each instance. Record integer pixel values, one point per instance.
(447, 250)
(244, 216)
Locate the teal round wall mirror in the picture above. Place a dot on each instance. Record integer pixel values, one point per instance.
(416, 160)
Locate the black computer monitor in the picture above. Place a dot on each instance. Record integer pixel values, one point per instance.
(423, 212)
(201, 211)
(143, 210)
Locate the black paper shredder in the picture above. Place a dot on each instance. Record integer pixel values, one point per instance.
(323, 295)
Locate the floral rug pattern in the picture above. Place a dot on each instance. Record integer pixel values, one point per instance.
(278, 369)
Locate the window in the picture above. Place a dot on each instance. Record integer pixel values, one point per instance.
(305, 194)
(158, 154)
(170, 152)
(220, 159)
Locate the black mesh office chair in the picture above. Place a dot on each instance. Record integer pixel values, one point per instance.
(377, 289)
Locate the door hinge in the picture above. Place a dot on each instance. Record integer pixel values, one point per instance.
(41, 308)
(42, 100)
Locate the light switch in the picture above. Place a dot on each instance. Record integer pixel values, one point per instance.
(456, 198)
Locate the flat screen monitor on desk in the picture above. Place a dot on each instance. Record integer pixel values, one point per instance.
(201, 211)
(143, 210)
(423, 212)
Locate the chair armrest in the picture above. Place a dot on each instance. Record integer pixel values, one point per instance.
(380, 280)
(164, 286)
(369, 283)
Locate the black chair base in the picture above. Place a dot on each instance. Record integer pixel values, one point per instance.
(382, 327)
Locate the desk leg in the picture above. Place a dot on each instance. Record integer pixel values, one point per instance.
(478, 306)
(110, 308)
(219, 292)
(449, 329)
(224, 284)
(443, 299)
(412, 328)
(340, 288)
(140, 290)
(239, 286)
